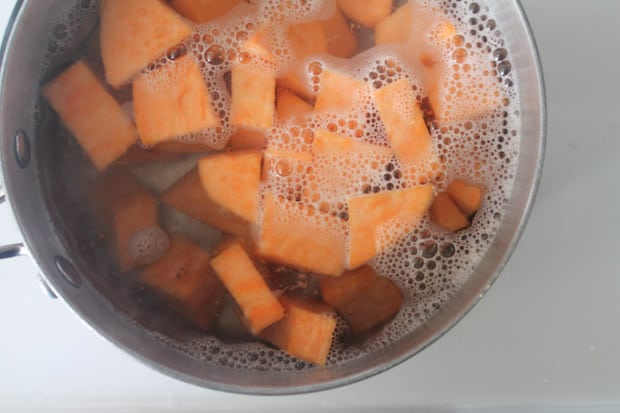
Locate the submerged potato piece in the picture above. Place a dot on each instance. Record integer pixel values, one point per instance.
(338, 91)
(289, 235)
(467, 197)
(232, 180)
(341, 42)
(253, 97)
(259, 305)
(395, 28)
(172, 101)
(364, 299)
(306, 331)
(247, 138)
(185, 276)
(290, 106)
(367, 13)
(188, 196)
(404, 121)
(369, 214)
(202, 11)
(135, 33)
(446, 214)
(295, 82)
(91, 114)
(307, 39)
(131, 214)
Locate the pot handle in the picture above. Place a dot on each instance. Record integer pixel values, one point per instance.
(12, 250)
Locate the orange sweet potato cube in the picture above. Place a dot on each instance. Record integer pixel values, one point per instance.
(188, 196)
(404, 121)
(338, 91)
(91, 114)
(237, 272)
(367, 13)
(341, 42)
(290, 106)
(172, 101)
(202, 11)
(305, 332)
(292, 233)
(253, 97)
(232, 180)
(247, 138)
(307, 39)
(378, 221)
(296, 83)
(184, 275)
(395, 28)
(363, 298)
(131, 214)
(467, 197)
(446, 214)
(136, 32)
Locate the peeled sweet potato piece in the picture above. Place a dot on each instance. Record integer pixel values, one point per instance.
(395, 28)
(91, 114)
(172, 101)
(369, 214)
(367, 13)
(467, 197)
(247, 138)
(232, 180)
(131, 214)
(253, 97)
(306, 331)
(202, 11)
(404, 121)
(185, 276)
(134, 33)
(341, 42)
(295, 82)
(307, 39)
(338, 91)
(446, 214)
(259, 305)
(291, 234)
(363, 298)
(188, 196)
(289, 105)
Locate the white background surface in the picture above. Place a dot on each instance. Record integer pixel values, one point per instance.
(546, 336)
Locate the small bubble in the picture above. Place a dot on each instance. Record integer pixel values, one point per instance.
(447, 250)
(176, 52)
(500, 54)
(504, 67)
(429, 249)
(215, 55)
(474, 8)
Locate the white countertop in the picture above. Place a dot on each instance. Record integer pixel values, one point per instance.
(545, 338)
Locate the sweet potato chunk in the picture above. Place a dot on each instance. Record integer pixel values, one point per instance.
(188, 196)
(247, 138)
(307, 39)
(363, 298)
(367, 13)
(295, 82)
(289, 105)
(404, 121)
(134, 33)
(253, 97)
(396, 27)
(290, 235)
(202, 11)
(132, 214)
(341, 42)
(369, 214)
(305, 332)
(446, 214)
(338, 92)
(172, 101)
(185, 276)
(91, 114)
(243, 281)
(467, 197)
(232, 180)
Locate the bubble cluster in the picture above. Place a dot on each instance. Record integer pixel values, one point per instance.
(481, 146)
(148, 245)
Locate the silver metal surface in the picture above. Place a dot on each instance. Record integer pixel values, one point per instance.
(64, 267)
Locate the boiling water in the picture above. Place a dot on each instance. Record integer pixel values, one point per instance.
(429, 265)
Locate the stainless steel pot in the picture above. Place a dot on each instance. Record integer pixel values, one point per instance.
(71, 273)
